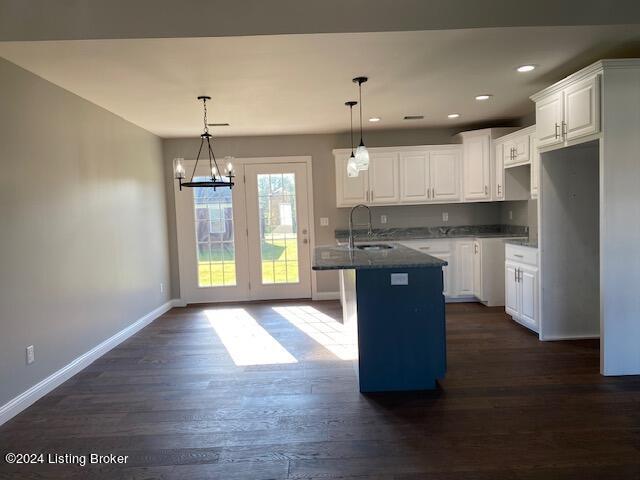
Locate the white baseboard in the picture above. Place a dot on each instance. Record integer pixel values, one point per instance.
(39, 390)
(178, 302)
(326, 296)
(555, 338)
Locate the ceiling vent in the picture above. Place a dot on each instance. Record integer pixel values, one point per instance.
(413, 117)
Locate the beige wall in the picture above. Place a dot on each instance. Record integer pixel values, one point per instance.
(320, 147)
(83, 237)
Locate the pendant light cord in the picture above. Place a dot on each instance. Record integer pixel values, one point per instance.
(351, 112)
(360, 101)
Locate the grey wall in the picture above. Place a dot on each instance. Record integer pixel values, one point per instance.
(320, 147)
(569, 263)
(525, 212)
(84, 236)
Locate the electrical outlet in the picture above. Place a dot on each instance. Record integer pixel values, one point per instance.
(324, 221)
(383, 219)
(31, 355)
(445, 216)
(510, 214)
(161, 287)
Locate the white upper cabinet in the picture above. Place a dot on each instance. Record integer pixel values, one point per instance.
(477, 167)
(445, 175)
(549, 117)
(569, 110)
(384, 186)
(582, 112)
(350, 191)
(498, 171)
(403, 175)
(535, 167)
(516, 151)
(415, 184)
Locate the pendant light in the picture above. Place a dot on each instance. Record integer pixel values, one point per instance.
(362, 154)
(352, 165)
(216, 179)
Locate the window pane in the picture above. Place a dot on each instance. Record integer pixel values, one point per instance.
(278, 228)
(213, 211)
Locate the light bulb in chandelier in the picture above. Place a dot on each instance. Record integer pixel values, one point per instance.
(229, 170)
(214, 172)
(178, 168)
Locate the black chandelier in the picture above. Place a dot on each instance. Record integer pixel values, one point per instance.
(216, 179)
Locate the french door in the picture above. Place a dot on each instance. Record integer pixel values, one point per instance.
(278, 231)
(248, 243)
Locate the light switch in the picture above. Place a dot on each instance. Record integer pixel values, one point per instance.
(399, 279)
(324, 221)
(383, 219)
(445, 216)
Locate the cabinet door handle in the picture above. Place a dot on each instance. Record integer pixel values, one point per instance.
(433, 193)
(564, 129)
(372, 195)
(515, 275)
(424, 248)
(428, 193)
(486, 190)
(518, 255)
(557, 135)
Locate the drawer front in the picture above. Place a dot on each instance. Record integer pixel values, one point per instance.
(521, 254)
(429, 246)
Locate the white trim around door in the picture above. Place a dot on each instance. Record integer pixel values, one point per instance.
(214, 260)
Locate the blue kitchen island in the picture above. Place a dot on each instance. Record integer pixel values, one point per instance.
(392, 298)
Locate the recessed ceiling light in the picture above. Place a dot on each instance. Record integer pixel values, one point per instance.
(374, 119)
(525, 68)
(484, 96)
(453, 115)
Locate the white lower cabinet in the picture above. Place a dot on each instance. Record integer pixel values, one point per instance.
(464, 272)
(521, 285)
(475, 267)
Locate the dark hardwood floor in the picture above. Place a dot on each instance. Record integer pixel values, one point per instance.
(174, 401)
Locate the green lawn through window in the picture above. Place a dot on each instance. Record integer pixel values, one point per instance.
(279, 263)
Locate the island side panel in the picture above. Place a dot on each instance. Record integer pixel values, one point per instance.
(401, 329)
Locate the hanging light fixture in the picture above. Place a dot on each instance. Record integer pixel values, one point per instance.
(216, 179)
(352, 164)
(362, 155)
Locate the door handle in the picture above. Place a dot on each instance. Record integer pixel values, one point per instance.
(304, 231)
(304, 240)
(499, 189)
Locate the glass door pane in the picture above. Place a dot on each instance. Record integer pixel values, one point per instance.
(278, 228)
(215, 244)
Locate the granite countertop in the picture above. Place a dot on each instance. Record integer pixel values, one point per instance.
(523, 243)
(341, 258)
(422, 233)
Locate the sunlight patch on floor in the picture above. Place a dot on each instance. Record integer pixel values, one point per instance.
(247, 342)
(323, 329)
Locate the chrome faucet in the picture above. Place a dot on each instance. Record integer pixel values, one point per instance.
(370, 229)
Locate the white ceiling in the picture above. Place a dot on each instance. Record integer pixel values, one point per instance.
(289, 84)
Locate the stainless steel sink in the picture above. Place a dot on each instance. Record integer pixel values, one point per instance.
(374, 246)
